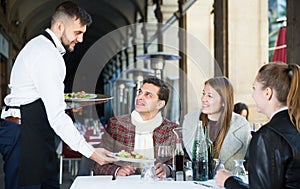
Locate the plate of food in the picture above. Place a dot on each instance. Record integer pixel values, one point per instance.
(79, 96)
(133, 157)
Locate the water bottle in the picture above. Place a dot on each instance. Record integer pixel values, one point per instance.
(200, 155)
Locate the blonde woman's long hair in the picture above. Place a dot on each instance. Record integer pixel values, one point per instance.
(224, 88)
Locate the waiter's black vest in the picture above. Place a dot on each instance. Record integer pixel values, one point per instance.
(38, 158)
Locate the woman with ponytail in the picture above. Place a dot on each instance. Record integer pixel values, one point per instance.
(274, 151)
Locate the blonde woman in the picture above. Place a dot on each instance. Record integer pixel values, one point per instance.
(229, 132)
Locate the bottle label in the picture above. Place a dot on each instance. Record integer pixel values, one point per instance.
(179, 176)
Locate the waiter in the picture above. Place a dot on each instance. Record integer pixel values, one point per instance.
(35, 108)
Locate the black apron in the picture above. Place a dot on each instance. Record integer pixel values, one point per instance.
(38, 157)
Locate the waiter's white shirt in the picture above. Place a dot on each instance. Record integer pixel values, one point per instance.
(39, 72)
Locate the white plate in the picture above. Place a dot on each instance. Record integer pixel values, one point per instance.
(132, 160)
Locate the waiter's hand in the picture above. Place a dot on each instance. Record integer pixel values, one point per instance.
(100, 156)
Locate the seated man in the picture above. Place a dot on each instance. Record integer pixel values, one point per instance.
(142, 131)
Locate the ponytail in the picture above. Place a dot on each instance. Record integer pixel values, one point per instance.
(293, 98)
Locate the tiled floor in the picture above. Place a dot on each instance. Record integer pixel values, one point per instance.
(67, 177)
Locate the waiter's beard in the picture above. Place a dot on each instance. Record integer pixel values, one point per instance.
(68, 48)
(67, 43)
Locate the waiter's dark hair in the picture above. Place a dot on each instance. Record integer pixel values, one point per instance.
(163, 93)
(72, 10)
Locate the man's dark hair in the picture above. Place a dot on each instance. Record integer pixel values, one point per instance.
(72, 10)
(163, 93)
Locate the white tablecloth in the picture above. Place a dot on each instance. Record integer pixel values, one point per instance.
(131, 182)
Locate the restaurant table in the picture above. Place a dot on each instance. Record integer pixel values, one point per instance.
(134, 181)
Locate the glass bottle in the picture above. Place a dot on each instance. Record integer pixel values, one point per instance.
(178, 154)
(199, 155)
(210, 153)
(188, 171)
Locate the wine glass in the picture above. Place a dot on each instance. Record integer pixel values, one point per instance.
(148, 172)
(164, 154)
(256, 126)
(239, 169)
(217, 166)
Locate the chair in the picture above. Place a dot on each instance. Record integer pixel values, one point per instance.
(65, 153)
(85, 167)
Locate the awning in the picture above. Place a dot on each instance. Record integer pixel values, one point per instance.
(280, 48)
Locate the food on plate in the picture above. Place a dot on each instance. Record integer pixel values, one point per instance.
(81, 94)
(132, 155)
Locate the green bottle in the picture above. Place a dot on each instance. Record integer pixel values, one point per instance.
(200, 155)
